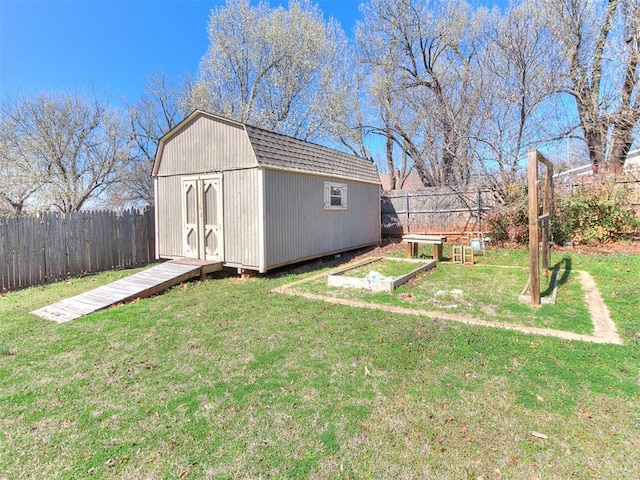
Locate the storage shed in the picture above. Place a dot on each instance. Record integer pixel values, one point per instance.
(255, 200)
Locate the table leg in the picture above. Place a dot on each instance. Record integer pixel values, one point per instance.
(437, 252)
(409, 249)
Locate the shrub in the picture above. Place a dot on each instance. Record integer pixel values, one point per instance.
(594, 214)
(510, 222)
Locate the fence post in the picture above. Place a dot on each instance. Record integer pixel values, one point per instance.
(406, 208)
(479, 216)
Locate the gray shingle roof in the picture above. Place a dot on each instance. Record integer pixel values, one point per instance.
(288, 153)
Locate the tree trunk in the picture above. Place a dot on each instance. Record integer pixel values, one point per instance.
(390, 167)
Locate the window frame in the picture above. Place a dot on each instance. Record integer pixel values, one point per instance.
(328, 196)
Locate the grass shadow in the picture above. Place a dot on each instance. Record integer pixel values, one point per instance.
(562, 268)
(563, 265)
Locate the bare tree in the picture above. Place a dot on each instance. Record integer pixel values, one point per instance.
(430, 51)
(599, 46)
(275, 68)
(160, 108)
(519, 80)
(78, 147)
(20, 177)
(341, 120)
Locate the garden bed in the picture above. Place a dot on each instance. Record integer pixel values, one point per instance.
(485, 292)
(380, 274)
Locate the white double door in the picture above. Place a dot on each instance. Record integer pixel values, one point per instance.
(202, 225)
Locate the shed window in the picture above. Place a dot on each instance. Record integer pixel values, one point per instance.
(335, 196)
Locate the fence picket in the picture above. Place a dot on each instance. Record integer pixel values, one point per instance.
(53, 246)
(434, 210)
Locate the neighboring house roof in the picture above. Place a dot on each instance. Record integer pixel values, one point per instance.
(632, 161)
(412, 182)
(575, 171)
(274, 150)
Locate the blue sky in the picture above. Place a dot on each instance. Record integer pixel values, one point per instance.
(110, 46)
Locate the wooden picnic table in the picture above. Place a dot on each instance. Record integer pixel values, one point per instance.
(413, 240)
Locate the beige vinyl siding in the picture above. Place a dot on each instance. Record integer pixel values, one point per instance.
(273, 214)
(298, 226)
(241, 225)
(206, 145)
(240, 210)
(169, 214)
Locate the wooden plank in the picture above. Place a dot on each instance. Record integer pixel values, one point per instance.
(21, 254)
(211, 268)
(534, 269)
(29, 240)
(73, 247)
(547, 203)
(99, 254)
(437, 252)
(125, 238)
(139, 285)
(110, 242)
(50, 267)
(67, 221)
(405, 278)
(133, 241)
(424, 238)
(126, 246)
(55, 247)
(39, 245)
(3, 255)
(85, 245)
(12, 234)
(9, 254)
(45, 242)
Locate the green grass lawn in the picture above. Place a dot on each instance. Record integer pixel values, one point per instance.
(223, 379)
(387, 267)
(484, 292)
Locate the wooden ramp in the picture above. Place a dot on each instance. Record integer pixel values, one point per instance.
(139, 285)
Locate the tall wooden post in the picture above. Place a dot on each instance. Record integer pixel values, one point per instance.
(534, 267)
(545, 227)
(547, 211)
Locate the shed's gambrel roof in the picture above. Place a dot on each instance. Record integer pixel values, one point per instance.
(287, 153)
(277, 151)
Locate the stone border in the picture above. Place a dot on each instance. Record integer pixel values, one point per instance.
(604, 329)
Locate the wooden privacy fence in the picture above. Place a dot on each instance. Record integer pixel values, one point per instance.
(438, 210)
(52, 246)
